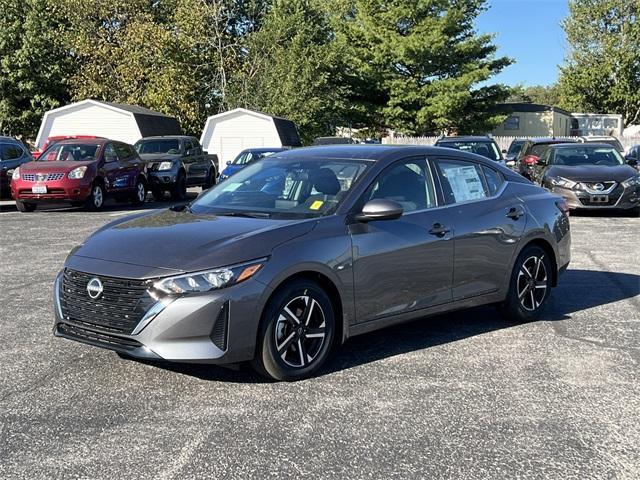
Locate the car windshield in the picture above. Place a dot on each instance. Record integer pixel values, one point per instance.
(158, 146)
(247, 157)
(283, 188)
(486, 149)
(576, 156)
(61, 152)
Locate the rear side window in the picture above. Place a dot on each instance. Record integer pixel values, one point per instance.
(494, 180)
(124, 152)
(461, 181)
(10, 151)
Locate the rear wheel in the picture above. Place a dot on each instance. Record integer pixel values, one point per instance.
(140, 193)
(529, 287)
(211, 179)
(297, 331)
(95, 200)
(179, 189)
(25, 207)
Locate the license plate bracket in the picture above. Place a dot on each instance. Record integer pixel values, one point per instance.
(39, 189)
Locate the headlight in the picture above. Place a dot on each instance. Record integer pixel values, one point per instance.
(16, 174)
(165, 166)
(77, 173)
(632, 182)
(209, 279)
(562, 182)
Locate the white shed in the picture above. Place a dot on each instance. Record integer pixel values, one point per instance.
(228, 133)
(126, 123)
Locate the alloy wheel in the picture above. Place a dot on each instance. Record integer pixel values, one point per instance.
(97, 196)
(141, 192)
(532, 283)
(300, 331)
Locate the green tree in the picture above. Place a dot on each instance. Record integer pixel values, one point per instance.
(423, 66)
(602, 71)
(34, 65)
(541, 94)
(291, 68)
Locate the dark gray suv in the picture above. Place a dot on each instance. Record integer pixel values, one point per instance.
(303, 249)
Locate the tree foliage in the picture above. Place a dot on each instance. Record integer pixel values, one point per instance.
(602, 72)
(415, 66)
(541, 94)
(34, 66)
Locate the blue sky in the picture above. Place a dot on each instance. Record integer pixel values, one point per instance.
(528, 31)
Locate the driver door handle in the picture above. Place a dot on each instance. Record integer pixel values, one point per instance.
(515, 212)
(439, 230)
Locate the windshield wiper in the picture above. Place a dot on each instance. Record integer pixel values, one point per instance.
(244, 214)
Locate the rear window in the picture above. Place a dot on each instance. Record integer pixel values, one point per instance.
(487, 149)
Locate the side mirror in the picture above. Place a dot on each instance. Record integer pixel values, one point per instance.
(504, 150)
(228, 162)
(380, 209)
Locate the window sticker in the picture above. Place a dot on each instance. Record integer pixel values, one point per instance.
(316, 205)
(465, 183)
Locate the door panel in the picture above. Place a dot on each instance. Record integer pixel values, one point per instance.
(114, 175)
(487, 229)
(399, 265)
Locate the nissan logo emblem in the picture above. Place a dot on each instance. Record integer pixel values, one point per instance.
(94, 288)
(599, 187)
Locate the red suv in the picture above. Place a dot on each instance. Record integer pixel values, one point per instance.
(83, 172)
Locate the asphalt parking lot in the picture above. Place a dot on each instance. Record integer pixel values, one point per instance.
(464, 395)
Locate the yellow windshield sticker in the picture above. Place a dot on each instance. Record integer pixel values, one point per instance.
(316, 205)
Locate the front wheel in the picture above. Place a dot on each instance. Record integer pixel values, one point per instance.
(529, 287)
(95, 200)
(25, 207)
(297, 331)
(211, 179)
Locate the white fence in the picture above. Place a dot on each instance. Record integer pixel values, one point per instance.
(503, 142)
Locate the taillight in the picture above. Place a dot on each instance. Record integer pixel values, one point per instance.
(530, 160)
(563, 206)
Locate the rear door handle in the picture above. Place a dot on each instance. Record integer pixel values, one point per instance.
(515, 212)
(439, 230)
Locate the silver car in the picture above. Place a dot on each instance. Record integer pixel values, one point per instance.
(303, 249)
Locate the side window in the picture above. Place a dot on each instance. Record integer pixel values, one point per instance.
(195, 144)
(123, 151)
(187, 146)
(461, 181)
(408, 182)
(110, 153)
(9, 151)
(494, 180)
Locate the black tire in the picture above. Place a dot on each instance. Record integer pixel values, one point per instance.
(310, 325)
(179, 189)
(158, 194)
(211, 179)
(95, 200)
(529, 286)
(140, 194)
(25, 206)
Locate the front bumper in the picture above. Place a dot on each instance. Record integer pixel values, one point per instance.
(163, 178)
(57, 190)
(215, 327)
(620, 198)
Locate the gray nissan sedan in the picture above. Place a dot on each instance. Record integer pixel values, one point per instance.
(301, 250)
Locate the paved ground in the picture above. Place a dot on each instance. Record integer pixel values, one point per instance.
(456, 396)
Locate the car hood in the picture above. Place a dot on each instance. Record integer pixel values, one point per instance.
(46, 167)
(159, 157)
(232, 169)
(186, 242)
(593, 173)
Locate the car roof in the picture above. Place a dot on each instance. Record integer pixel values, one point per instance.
(165, 137)
(465, 138)
(263, 149)
(582, 145)
(9, 139)
(551, 140)
(83, 141)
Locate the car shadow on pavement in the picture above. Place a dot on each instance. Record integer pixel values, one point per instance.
(578, 290)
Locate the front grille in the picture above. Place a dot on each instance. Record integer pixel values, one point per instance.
(599, 187)
(121, 306)
(42, 177)
(96, 338)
